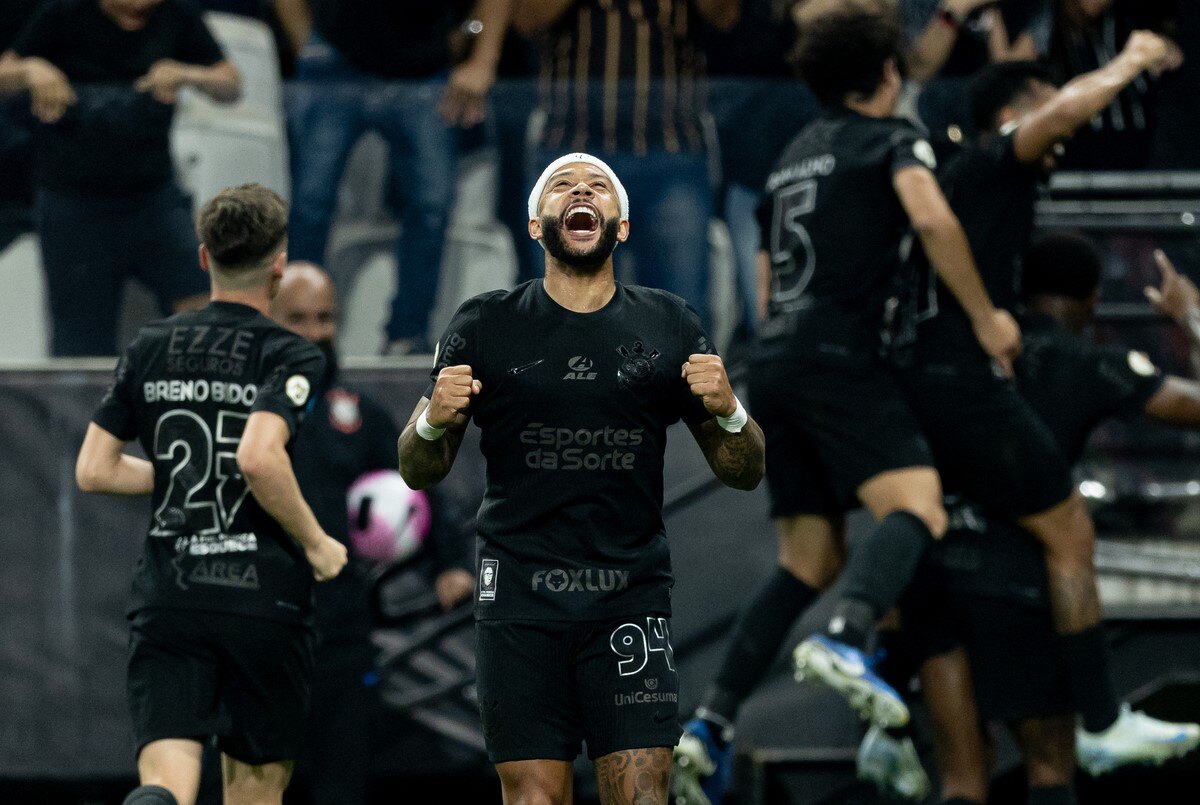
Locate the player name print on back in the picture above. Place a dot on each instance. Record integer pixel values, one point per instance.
(186, 388)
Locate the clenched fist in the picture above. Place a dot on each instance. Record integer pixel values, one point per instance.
(705, 376)
(1000, 337)
(450, 404)
(327, 558)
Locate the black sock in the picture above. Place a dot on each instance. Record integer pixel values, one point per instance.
(1052, 795)
(880, 569)
(1086, 657)
(757, 638)
(150, 795)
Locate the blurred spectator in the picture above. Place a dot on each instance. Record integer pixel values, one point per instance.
(390, 67)
(103, 76)
(624, 81)
(758, 110)
(346, 436)
(289, 20)
(951, 40)
(16, 128)
(1089, 34)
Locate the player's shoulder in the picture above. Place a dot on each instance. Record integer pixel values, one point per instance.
(498, 299)
(643, 296)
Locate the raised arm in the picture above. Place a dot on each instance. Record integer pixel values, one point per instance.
(1177, 402)
(949, 253)
(295, 17)
(430, 441)
(1085, 95)
(104, 467)
(266, 466)
(732, 442)
(932, 47)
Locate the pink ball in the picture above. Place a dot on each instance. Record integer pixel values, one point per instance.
(389, 522)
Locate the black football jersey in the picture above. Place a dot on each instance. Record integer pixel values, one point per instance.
(185, 389)
(574, 414)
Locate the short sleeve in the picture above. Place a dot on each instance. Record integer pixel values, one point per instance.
(196, 43)
(693, 340)
(41, 32)
(117, 413)
(906, 148)
(1124, 380)
(293, 369)
(459, 343)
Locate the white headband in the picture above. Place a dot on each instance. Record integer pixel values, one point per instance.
(536, 194)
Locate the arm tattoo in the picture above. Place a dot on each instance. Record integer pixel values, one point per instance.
(423, 463)
(738, 459)
(634, 777)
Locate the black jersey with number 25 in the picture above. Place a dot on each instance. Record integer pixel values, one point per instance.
(836, 234)
(185, 389)
(574, 414)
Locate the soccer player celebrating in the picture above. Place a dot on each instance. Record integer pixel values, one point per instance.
(837, 217)
(222, 597)
(573, 380)
(988, 442)
(982, 598)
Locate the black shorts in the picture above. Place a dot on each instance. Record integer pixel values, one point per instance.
(989, 444)
(545, 686)
(201, 674)
(829, 427)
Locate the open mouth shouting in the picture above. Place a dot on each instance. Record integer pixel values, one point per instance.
(581, 221)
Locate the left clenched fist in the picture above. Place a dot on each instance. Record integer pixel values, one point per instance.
(705, 376)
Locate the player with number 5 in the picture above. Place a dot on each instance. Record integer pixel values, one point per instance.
(221, 641)
(573, 380)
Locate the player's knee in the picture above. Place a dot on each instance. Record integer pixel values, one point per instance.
(533, 794)
(150, 795)
(932, 514)
(817, 565)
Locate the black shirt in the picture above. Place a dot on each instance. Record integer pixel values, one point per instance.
(392, 38)
(1073, 384)
(993, 194)
(836, 233)
(184, 389)
(574, 414)
(347, 435)
(114, 140)
(13, 16)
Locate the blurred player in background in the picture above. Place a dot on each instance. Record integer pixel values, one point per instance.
(221, 641)
(983, 597)
(837, 218)
(573, 380)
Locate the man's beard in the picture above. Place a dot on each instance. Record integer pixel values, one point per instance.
(589, 261)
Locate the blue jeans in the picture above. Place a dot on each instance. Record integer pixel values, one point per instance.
(670, 204)
(331, 107)
(741, 206)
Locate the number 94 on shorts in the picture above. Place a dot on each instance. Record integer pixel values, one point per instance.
(546, 687)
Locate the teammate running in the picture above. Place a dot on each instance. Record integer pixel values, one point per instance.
(986, 595)
(838, 217)
(573, 380)
(222, 596)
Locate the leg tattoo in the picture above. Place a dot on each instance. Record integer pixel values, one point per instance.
(634, 777)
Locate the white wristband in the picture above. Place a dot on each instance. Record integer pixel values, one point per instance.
(735, 421)
(426, 431)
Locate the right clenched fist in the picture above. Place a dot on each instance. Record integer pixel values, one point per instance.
(450, 404)
(1153, 52)
(1000, 338)
(327, 558)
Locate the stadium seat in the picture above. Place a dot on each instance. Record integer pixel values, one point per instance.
(218, 145)
(23, 303)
